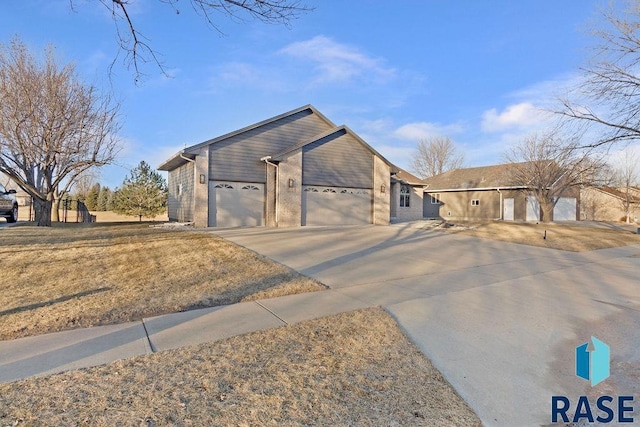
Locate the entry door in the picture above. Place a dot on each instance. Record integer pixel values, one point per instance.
(508, 209)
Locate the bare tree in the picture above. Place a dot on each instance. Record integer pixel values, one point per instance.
(548, 165)
(608, 98)
(137, 47)
(435, 156)
(53, 127)
(626, 178)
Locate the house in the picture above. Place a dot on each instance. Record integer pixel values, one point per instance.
(294, 169)
(607, 203)
(407, 194)
(487, 193)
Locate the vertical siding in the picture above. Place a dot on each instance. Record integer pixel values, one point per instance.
(238, 158)
(337, 160)
(181, 204)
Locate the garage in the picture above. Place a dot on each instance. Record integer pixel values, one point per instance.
(236, 204)
(336, 206)
(565, 209)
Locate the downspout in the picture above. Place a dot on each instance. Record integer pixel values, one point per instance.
(501, 207)
(266, 160)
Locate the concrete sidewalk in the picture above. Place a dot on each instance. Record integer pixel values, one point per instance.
(82, 348)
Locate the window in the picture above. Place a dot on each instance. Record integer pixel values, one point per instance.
(179, 190)
(435, 199)
(328, 190)
(224, 186)
(311, 189)
(250, 187)
(475, 202)
(405, 197)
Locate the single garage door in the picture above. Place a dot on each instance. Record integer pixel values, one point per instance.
(336, 206)
(236, 204)
(533, 209)
(565, 209)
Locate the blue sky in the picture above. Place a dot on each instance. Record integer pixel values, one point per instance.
(394, 72)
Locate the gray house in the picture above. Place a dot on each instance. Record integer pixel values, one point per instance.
(294, 169)
(486, 193)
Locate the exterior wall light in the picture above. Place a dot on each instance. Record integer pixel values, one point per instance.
(383, 189)
(203, 179)
(292, 182)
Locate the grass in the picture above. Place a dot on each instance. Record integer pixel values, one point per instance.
(78, 275)
(576, 238)
(351, 369)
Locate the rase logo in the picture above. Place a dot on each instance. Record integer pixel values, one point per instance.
(593, 362)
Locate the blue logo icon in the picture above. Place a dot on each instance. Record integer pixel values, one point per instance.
(592, 361)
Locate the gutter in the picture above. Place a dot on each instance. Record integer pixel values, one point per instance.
(501, 208)
(186, 158)
(267, 161)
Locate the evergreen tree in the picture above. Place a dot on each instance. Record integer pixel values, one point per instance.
(91, 200)
(142, 194)
(103, 199)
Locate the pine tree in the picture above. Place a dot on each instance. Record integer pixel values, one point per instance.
(91, 200)
(142, 194)
(103, 199)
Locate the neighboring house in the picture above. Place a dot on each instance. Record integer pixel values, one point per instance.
(486, 193)
(607, 204)
(294, 169)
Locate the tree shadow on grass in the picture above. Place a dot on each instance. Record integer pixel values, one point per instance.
(53, 301)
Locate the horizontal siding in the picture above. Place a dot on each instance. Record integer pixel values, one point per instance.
(238, 158)
(180, 204)
(337, 160)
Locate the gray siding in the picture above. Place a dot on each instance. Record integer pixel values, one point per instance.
(181, 203)
(337, 160)
(238, 158)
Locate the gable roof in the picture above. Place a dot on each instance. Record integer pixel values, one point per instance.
(405, 177)
(617, 193)
(178, 158)
(340, 129)
(477, 178)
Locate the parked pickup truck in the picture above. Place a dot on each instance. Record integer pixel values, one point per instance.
(8, 204)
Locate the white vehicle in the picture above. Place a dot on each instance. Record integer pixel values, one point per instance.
(8, 204)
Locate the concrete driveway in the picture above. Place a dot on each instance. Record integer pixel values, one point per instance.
(501, 321)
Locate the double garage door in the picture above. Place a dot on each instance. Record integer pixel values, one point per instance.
(336, 206)
(236, 204)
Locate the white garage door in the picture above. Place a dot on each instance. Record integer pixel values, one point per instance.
(236, 204)
(335, 206)
(533, 209)
(565, 209)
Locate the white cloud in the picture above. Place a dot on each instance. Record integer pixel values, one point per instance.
(423, 130)
(524, 115)
(336, 62)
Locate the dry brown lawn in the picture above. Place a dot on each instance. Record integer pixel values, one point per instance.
(577, 238)
(79, 275)
(351, 369)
